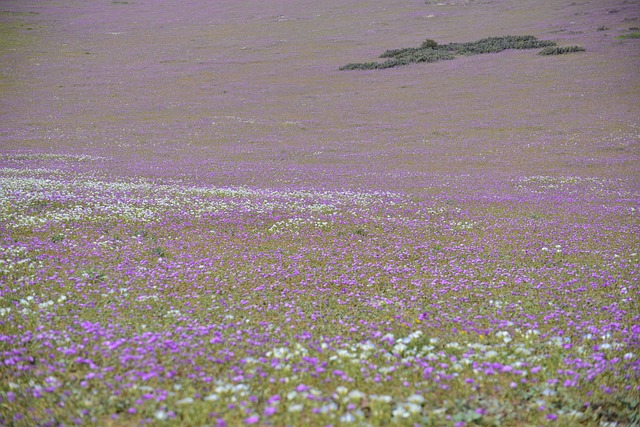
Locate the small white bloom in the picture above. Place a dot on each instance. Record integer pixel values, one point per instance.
(401, 412)
(161, 415)
(399, 348)
(416, 398)
(382, 398)
(413, 408)
(185, 401)
(414, 335)
(330, 407)
(347, 418)
(295, 407)
(355, 395)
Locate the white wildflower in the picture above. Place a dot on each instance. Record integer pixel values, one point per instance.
(347, 418)
(398, 349)
(160, 415)
(341, 390)
(185, 401)
(295, 407)
(355, 395)
(416, 398)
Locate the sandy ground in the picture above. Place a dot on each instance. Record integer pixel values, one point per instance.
(249, 93)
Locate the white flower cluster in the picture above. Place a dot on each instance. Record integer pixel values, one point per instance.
(80, 197)
(412, 406)
(540, 182)
(401, 346)
(295, 224)
(16, 257)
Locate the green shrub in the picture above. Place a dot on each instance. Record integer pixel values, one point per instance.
(360, 66)
(634, 35)
(424, 55)
(160, 252)
(429, 44)
(399, 52)
(496, 44)
(431, 51)
(560, 50)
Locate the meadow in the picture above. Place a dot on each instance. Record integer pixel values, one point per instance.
(205, 222)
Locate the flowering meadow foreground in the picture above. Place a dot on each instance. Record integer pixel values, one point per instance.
(137, 302)
(205, 222)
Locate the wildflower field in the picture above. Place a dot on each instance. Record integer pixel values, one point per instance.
(205, 222)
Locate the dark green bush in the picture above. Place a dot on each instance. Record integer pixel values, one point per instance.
(496, 44)
(360, 66)
(560, 50)
(424, 55)
(431, 51)
(398, 52)
(429, 44)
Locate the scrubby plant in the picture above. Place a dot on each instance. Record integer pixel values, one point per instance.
(399, 52)
(560, 50)
(633, 35)
(360, 66)
(160, 252)
(407, 56)
(496, 44)
(431, 51)
(56, 238)
(420, 55)
(429, 44)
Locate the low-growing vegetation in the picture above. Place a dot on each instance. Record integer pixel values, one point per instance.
(134, 302)
(431, 51)
(560, 50)
(632, 35)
